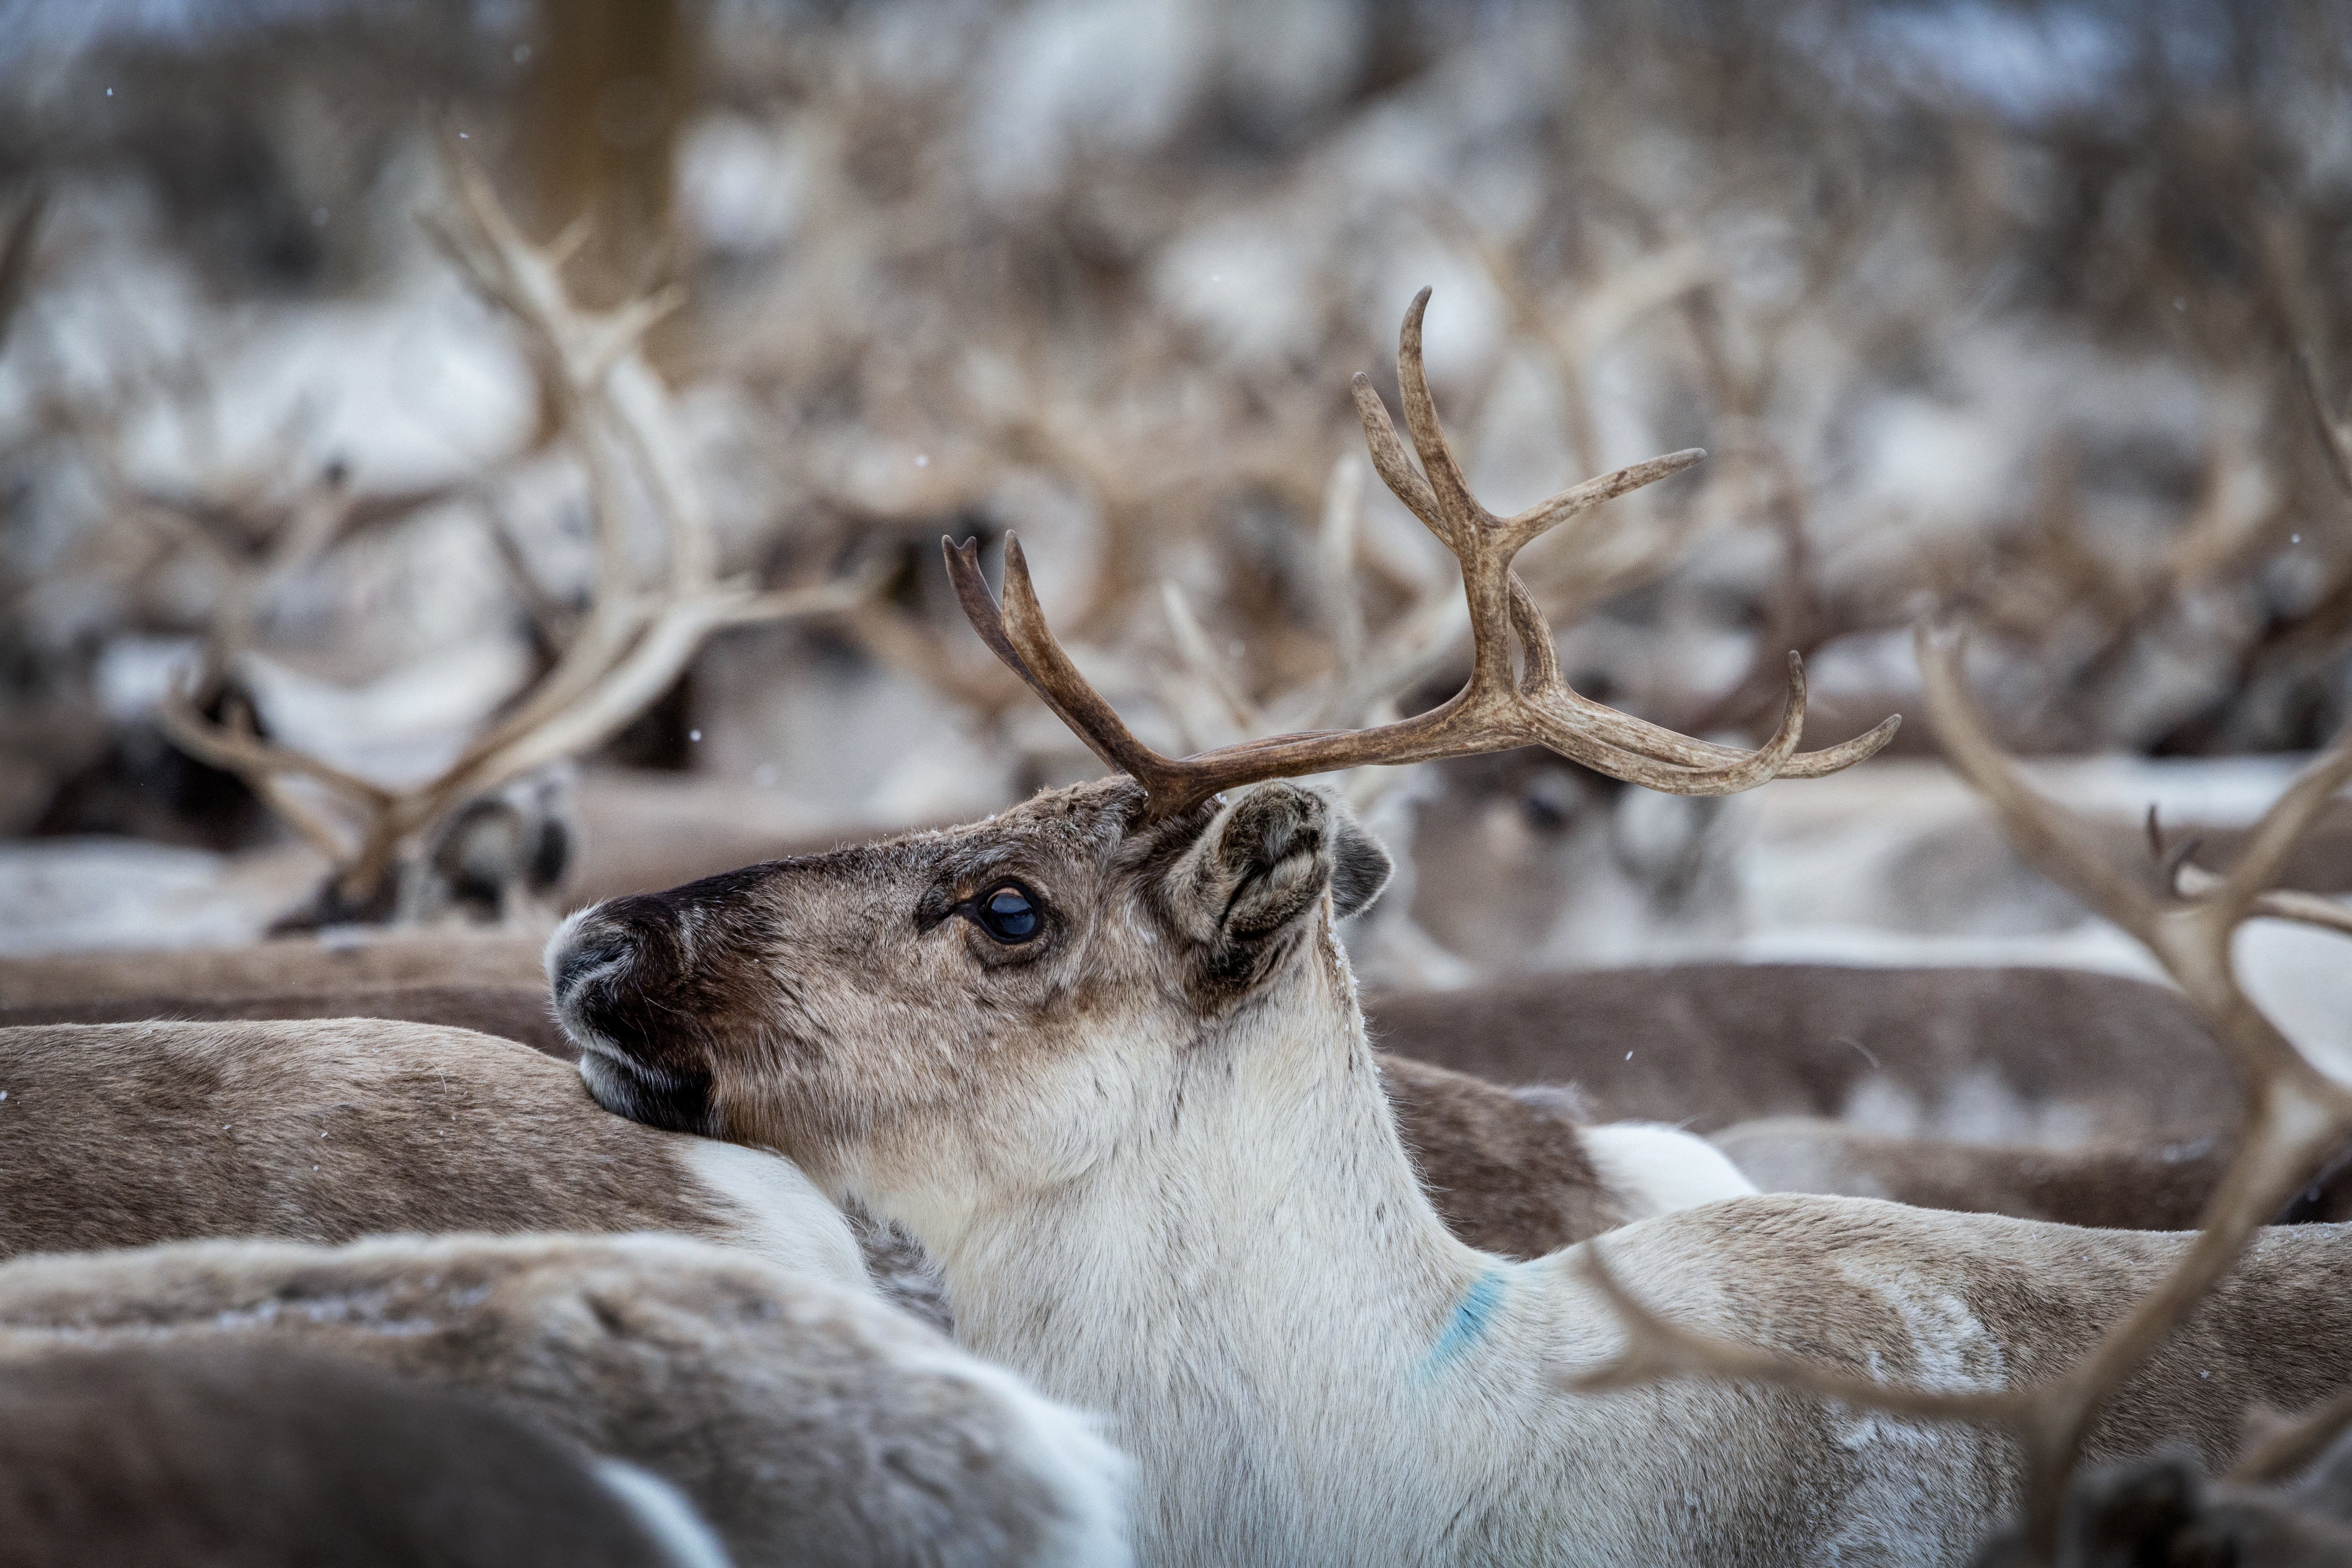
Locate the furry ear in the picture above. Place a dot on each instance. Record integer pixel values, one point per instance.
(1272, 851)
(1360, 866)
(1262, 863)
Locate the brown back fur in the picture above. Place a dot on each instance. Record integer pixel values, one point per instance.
(292, 964)
(809, 1425)
(2049, 1050)
(129, 1134)
(2107, 1186)
(510, 1010)
(245, 1456)
(1506, 1176)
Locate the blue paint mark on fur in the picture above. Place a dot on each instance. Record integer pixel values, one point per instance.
(1468, 1325)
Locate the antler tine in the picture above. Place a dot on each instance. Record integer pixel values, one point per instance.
(1720, 764)
(1454, 502)
(1485, 546)
(2273, 838)
(2190, 881)
(2051, 836)
(1396, 469)
(1026, 646)
(1527, 527)
(1651, 756)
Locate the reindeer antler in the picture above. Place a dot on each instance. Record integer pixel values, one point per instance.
(632, 644)
(1497, 709)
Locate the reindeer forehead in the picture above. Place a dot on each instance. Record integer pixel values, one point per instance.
(1052, 834)
(1084, 825)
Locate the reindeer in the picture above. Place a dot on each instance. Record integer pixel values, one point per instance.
(518, 1013)
(1102, 1055)
(140, 1454)
(808, 1424)
(2166, 1185)
(132, 1134)
(2018, 1055)
(279, 966)
(1519, 1174)
(456, 839)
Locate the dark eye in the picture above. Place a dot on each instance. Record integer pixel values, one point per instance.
(1006, 914)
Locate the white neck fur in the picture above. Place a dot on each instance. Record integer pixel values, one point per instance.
(1256, 1290)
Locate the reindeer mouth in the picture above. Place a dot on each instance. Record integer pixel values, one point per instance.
(592, 968)
(626, 1086)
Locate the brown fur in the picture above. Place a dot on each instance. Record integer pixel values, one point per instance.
(2165, 1512)
(247, 1455)
(1715, 1044)
(881, 920)
(2272, 1334)
(129, 1134)
(2105, 1186)
(1506, 1175)
(295, 964)
(510, 1011)
(808, 1424)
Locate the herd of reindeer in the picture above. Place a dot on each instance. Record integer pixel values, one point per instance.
(1043, 1190)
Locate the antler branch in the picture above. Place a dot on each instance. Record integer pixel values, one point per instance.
(1497, 708)
(2296, 1119)
(634, 644)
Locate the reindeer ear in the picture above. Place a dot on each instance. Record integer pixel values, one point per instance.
(1263, 863)
(1360, 866)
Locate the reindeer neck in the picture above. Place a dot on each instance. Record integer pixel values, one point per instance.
(1256, 1274)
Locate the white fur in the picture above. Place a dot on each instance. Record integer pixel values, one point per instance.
(664, 1512)
(1257, 1293)
(1264, 1339)
(1093, 1479)
(1653, 1169)
(782, 1214)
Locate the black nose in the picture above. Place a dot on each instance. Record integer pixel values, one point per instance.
(589, 950)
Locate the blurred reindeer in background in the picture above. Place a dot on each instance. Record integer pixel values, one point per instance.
(486, 844)
(2295, 1120)
(1097, 290)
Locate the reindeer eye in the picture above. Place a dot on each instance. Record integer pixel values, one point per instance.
(1006, 914)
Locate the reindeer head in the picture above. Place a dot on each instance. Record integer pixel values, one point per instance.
(1018, 979)
(1008, 1002)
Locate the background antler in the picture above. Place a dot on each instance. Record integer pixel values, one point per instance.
(632, 646)
(2295, 1119)
(1497, 708)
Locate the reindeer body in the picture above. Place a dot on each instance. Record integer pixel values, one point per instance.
(274, 967)
(2050, 1056)
(131, 1134)
(1335, 1380)
(809, 1424)
(2127, 1186)
(250, 1457)
(1507, 1174)
(510, 1012)
(1143, 1133)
